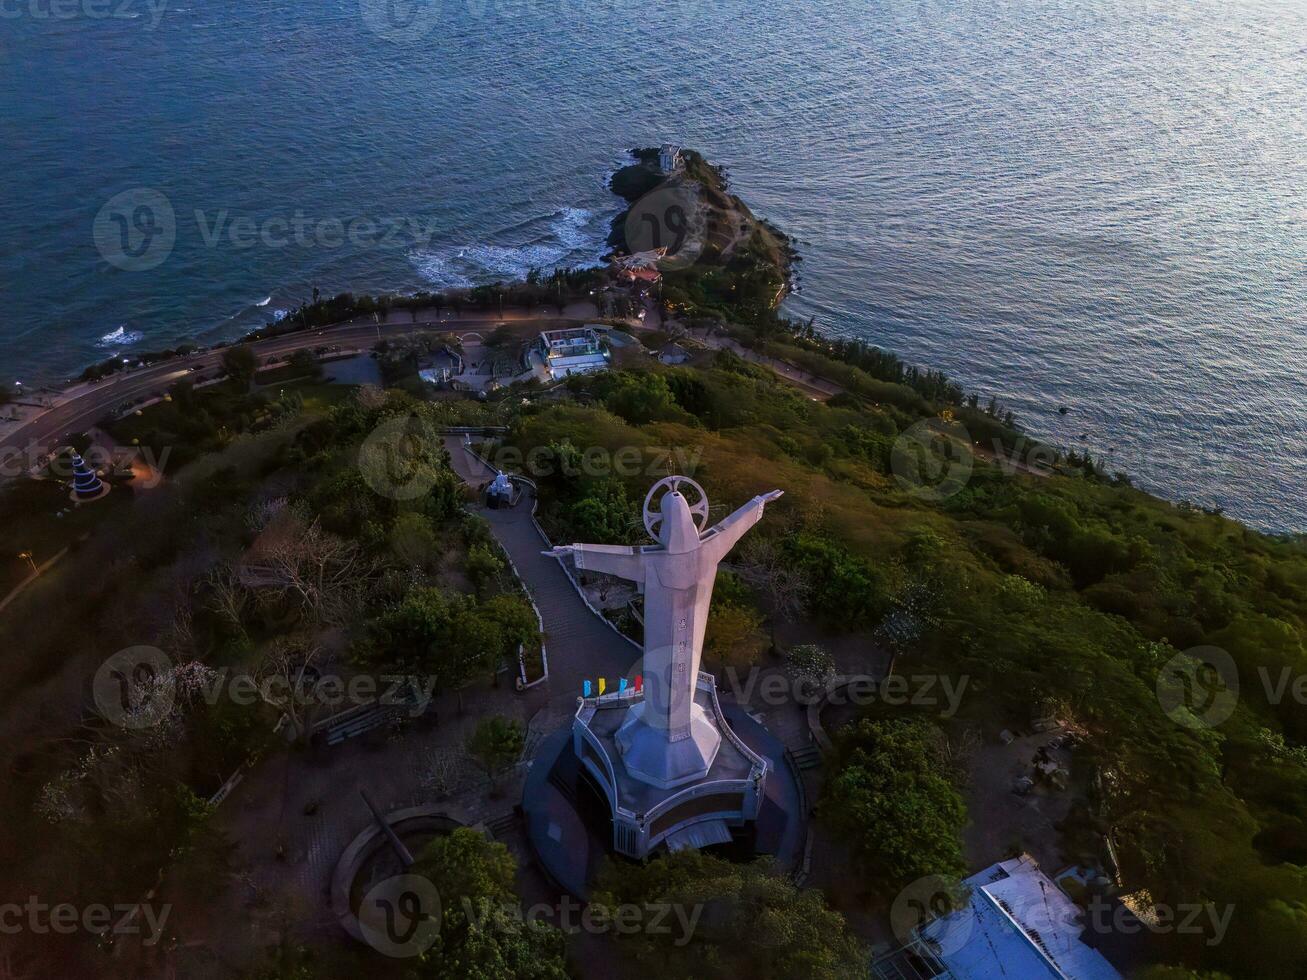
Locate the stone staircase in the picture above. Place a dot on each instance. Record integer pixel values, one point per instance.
(806, 756)
(503, 826)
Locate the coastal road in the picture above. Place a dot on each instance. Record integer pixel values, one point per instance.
(81, 406)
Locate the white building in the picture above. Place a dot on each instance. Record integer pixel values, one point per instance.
(1017, 923)
(574, 351)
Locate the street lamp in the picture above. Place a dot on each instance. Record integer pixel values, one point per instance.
(28, 555)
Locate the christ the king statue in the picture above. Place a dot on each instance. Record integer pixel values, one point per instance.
(668, 740)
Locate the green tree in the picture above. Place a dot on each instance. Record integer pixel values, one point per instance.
(414, 540)
(891, 797)
(743, 920)
(734, 637)
(641, 397)
(605, 515)
(305, 364)
(483, 935)
(240, 363)
(840, 586)
(495, 744)
(452, 636)
(483, 567)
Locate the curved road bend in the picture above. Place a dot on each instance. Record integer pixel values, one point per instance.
(84, 404)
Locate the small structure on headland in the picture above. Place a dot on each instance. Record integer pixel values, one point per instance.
(665, 763)
(640, 268)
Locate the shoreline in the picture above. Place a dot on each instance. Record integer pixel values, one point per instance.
(627, 182)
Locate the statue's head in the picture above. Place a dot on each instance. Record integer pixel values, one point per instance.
(678, 532)
(677, 520)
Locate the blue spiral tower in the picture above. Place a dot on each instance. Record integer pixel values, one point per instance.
(86, 485)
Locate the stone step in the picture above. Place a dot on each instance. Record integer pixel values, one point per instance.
(503, 825)
(807, 757)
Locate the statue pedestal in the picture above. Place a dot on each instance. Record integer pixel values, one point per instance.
(652, 755)
(658, 787)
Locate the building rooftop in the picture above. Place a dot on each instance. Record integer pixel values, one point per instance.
(1017, 923)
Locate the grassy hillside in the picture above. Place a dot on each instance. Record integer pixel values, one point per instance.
(1072, 588)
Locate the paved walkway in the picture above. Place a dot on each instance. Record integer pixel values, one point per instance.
(580, 644)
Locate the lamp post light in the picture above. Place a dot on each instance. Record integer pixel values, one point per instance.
(28, 556)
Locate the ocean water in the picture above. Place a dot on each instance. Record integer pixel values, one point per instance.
(1093, 205)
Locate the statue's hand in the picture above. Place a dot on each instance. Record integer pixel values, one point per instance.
(767, 498)
(561, 551)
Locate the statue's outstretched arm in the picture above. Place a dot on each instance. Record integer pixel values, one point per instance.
(723, 537)
(611, 559)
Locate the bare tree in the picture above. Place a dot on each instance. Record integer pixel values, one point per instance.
(764, 567)
(284, 676)
(318, 570)
(443, 769)
(227, 596)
